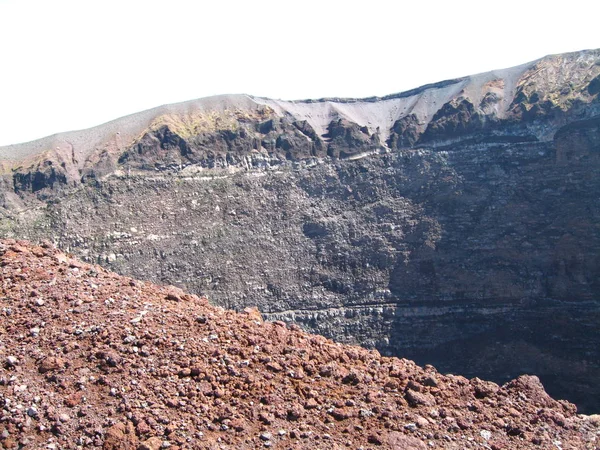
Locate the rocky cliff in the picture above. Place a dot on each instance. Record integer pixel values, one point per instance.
(456, 224)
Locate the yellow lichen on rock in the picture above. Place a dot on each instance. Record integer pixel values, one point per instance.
(198, 122)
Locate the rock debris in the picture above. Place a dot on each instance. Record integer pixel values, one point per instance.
(189, 375)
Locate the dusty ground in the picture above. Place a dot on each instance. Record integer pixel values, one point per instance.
(91, 359)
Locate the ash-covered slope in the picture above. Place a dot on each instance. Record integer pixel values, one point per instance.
(456, 224)
(91, 359)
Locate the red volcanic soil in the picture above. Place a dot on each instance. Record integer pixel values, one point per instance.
(91, 359)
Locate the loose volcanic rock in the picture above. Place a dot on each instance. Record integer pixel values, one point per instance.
(94, 379)
(50, 364)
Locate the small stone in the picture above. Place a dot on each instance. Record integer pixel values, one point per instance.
(415, 398)
(10, 443)
(364, 413)
(266, 418)
(266, 436)
(483, 388)
(74, 399)
(421, 422)
(374, 439)
(32, 412)
(294, 413)
(514, 412)
(274, 367)
(352, 379)
(253, 313)
(50, 364)
(238, 425)
(311, 403)
(120, 436)
(142, 428)
(173, 297)
(400, 441)
(514, 430)
(11, 361)
(430, 381)
(185, 372)
(340, 414)
(154, 443)
(462, 423)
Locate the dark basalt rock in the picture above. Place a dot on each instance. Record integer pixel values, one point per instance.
(158, 148)
(347, 138)
(594, 86)
(278, 138)
(42, 176)
(454, 119)
(405, 133)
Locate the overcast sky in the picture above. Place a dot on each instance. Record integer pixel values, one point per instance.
(74, 64)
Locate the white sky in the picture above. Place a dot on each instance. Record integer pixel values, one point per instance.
(74, 64)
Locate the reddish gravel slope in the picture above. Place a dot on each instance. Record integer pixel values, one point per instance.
(91, 359)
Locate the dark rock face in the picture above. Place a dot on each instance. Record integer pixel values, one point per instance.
(405, 132)
(594, 86)
(347, 139)
(466, 237)
(454, 119)
(240, 143)
(162, 147)
(44, 175)
(578, 141)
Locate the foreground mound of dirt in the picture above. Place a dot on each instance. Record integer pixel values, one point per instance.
(91, 359)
